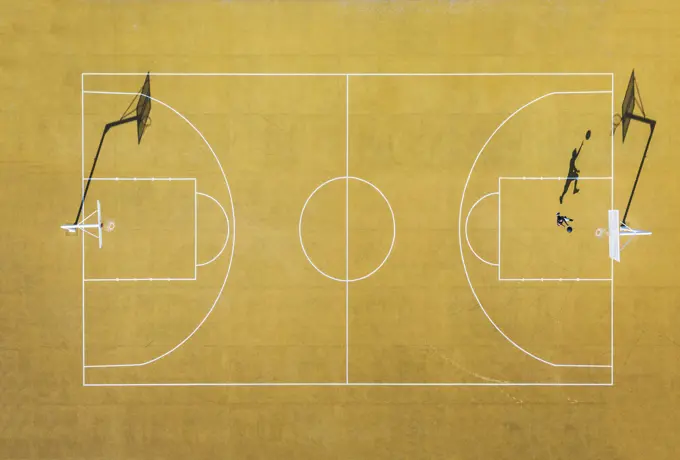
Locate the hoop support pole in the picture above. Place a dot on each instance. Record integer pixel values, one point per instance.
(652, 125)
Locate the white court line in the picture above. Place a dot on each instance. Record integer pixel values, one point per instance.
(358, 384)
(499, 224)
(374, 74)
(341, 384)
(233, 240)
(460, 213)
(226, 217)
(82, 193)
(117, 280)
(466, 228)
(159, 179)
(611, 261)
(555, 279)
(196, 231)
(346, 229)
(556, 178)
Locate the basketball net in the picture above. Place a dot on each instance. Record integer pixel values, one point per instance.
(109, 225)
(616, 121)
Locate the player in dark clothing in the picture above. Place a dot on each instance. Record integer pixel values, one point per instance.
(573, 173)
(563, 221)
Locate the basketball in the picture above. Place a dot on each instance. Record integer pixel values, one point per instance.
(587, 134)
(569, 229)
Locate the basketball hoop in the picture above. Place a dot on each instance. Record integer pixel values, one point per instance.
(616, 232)
(109, 225)
(616, 122)
(88, 228)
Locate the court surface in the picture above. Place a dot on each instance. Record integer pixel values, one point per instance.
(336, 237)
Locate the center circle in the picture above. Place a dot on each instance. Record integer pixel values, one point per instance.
(346, 279)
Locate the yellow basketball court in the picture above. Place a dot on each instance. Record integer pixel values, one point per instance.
(333, 230)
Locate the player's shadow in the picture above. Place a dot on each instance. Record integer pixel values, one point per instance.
(573, 174)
